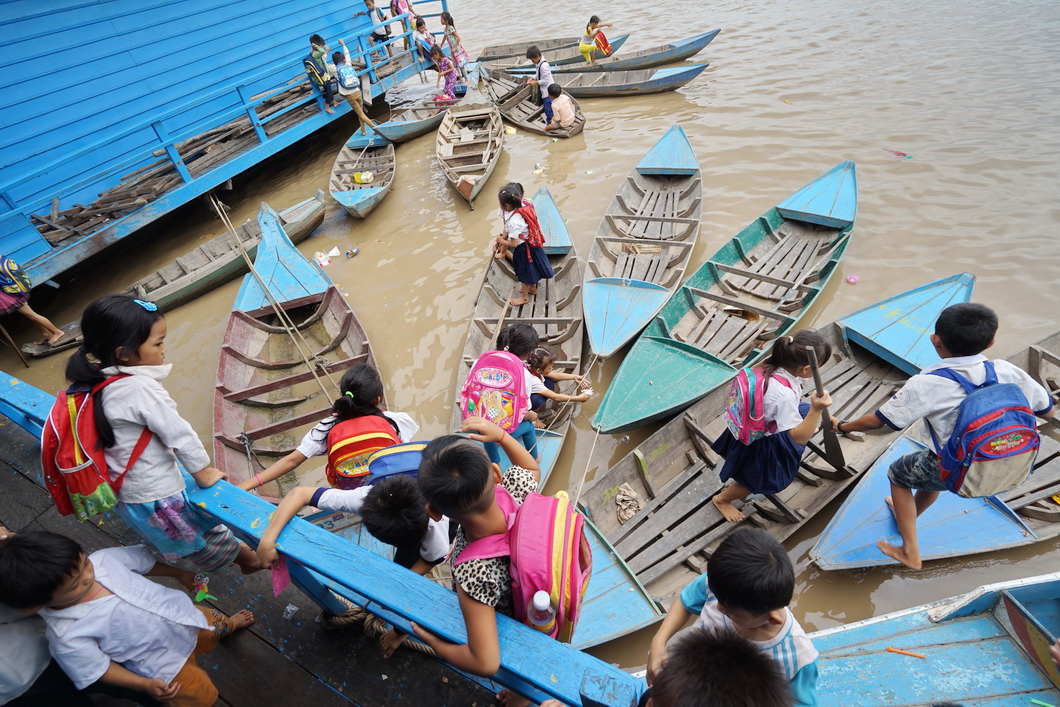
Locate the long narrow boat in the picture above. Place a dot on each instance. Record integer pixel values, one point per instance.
(515, 101)
(363, 154)
(557, 236)
(674, 473)
(639, 82)
(559, 56)
(954, 526)
(209, 265)
(517, 50)
(643, 244)
(271, 388)
(468, 145)
(644, 59)
(412, 122)
(615, 604)
(753, 289)
(987, 647)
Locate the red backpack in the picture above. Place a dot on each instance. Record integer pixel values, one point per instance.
(535, 237)
(75, 467)
(350, 443)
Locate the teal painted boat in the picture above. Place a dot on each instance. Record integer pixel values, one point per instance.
(638, 82)
(753, 289)
(643, 243)
(668, 527)
(413, 122)
(953, 526)
(557, 235)
(644, 59)
(363, 155)
(987, 647)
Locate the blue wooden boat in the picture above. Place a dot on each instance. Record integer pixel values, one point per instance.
(754, 289)
(639, 82)
(561, 56)
(517, 50)
(953, 526)
(674, 472)
(362, 155)
(271, 388)
(643, 243)
(413, 122)
(986, 647)
(557, 235)
(644, 59)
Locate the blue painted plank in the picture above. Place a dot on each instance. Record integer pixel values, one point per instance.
(830, 200)
(616, 309)
(557, 236)
(672, 155)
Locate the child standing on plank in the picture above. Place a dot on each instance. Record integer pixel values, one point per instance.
(350, 85)
(378, 36)
(125, 338)
(107, 622)
(446, 72)
(356, 428)
(14, 297)
(316, 66)
(769, 464)
(456, 49)
(522, 232)
(542, 79)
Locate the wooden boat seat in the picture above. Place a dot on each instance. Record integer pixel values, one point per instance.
(649, 268)
(794, 259)
(656, 217)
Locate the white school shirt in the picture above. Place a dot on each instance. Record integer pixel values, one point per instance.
(315, 442)
(137, 401)
(515, 226)
(544, 77)
(533, 383)
(782, 403)
(143, 626)
(23, 652)
(937, 399)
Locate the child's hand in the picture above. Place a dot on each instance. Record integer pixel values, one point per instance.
(580, 398)
(583, 381)
(820, 402)
(342, 42)
(486, 431)
(835, 423)
(656, 661)
(160, 689)
(267, 554)
(209, 476)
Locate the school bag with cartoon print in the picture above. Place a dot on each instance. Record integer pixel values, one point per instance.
(347, 76)
(351, 443)
(13, 279)
(745, 413)
(994, 441)
(72, 457)
(496, 390)
(548, 551)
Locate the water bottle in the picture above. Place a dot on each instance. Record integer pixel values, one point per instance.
(540, 612)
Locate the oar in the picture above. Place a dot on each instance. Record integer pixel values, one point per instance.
(833, 451)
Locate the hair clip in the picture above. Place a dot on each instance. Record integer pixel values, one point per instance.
(352, 397)
(149, 306)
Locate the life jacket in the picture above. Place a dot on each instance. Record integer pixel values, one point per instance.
(745, 413)
(72, 457)
(496, 390)
(318, 74)
(350, 443)
(13, 279)
(548, 551)
(347, 75)
(994, 441)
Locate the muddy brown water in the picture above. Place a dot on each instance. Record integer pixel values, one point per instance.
(967, 89)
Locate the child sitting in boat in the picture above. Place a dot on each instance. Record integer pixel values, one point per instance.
(563, 113)
(540, 362)
(107, 622)
(522, 232)
(747, 588)
(769, 464)
(963, 331)
(356, 428)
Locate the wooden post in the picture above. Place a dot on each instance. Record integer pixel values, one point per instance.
(14, 345)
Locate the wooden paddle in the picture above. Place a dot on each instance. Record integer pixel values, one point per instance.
(833, 451)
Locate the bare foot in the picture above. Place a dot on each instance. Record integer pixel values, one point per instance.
(728, 511)
(533, 289)
(241, 619)
(498, 256)
(890, 504)
(56, 336)
(41, 341)
(899, 553)
(390, 641)
(519, 302)
(507, 698)
(248, 560)
(328, 109)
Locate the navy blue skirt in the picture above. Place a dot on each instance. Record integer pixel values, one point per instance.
(531, 264)
(767, 466)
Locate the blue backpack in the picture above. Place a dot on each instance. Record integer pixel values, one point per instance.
(347, 76)
(994, 442)
(317, 73)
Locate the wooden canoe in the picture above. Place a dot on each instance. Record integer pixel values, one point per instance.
(209, 265)
(515, 101)
(643, 244)
(675, 472)
(953, 526)
(559, 56)
(363, 153)
(605, 84)
(557, 235)
(753, 289)
(987, 647)
(267, 397)
(517, 50)
(412, 122)
(644, 59)
(469, 143)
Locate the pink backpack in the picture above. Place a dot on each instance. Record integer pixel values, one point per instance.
(496, 390)
(549, 552)
(745, 413)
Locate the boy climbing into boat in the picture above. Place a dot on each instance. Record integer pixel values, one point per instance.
(768, 461)
(522, 232)
(747, 588)
(350, 85)
(963, 331)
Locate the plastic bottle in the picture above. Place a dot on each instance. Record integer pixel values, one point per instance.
(540, 612)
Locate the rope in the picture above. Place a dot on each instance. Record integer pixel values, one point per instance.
(581, 484)
(248, 447)
(373, 625)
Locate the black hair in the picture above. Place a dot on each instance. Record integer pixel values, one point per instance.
(114, 327)
(532, 52)
(34, 565)
(750, 570)
(594, 20)
(790, 351)
(516, 188)
(539, 358)
(421, 21)
(519, 339)
(509, 199)
(454, 475)
(966, 329)
(394, 511)
(719, 669)
(436, 50)
(361, 386)
(554, 90)
(317, 40)
(338, 58)
(447, 18)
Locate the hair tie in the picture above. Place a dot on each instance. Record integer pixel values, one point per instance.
(791, 339)
(149, 306)
(352, 397)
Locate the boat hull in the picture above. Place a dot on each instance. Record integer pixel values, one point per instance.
(617, 84)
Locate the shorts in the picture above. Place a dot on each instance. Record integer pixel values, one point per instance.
(918, 471)
(196, 688)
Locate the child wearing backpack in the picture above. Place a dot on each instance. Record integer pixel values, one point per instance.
(125, 338)
(356, 428)
(522, 232)
(767, 460)
(350, 85)
(316, 67)
(936, 395)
